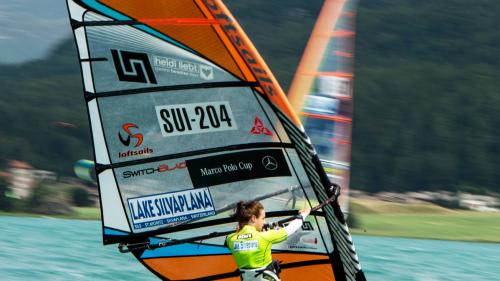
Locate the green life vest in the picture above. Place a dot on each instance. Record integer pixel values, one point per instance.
(252, 248)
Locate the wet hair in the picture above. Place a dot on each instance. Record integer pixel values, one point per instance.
(245, 210)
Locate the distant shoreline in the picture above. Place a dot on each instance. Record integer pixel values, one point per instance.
(422, 220)
(80, 213)
(384, 219)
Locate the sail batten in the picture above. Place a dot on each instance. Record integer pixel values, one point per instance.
(172, 88)
(191, 153)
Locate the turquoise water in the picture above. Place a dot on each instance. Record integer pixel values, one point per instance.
(427, 260)
(46, 249)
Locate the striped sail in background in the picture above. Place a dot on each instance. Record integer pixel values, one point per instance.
(322, 90)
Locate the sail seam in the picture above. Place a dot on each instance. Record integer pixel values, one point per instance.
(89, 96)
(101, 167)
(181, 21)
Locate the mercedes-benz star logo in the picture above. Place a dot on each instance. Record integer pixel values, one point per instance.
(269, 163)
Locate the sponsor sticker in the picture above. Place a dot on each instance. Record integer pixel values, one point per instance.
(183, 67)
(239, 166)
(307, 226)
(161, 168)
(195, 118)
(173, 207)
(130, 137)
(244, 236)
(259, 128)
(133, 67)
(246, 246)
(303, 242)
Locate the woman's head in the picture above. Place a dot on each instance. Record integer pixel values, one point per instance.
(251, 213)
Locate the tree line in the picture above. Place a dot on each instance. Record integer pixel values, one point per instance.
(426, 93)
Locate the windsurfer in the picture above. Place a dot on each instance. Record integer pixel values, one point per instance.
(251, 246)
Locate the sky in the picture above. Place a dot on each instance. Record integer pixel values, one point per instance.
(30, 28)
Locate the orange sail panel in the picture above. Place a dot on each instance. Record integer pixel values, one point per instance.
(199, 37)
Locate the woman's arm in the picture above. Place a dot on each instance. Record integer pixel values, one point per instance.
(297, 223)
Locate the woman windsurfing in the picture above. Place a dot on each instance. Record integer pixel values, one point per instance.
(251, 246)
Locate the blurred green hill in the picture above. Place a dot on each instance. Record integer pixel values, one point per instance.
(426, 95)
(426, 98)
(44, 117)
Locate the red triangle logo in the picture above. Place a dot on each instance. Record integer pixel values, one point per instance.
(259, 128)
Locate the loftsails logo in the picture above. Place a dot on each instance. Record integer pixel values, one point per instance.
(127, 133)
(126, 140)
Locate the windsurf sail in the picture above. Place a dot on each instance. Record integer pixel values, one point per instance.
(321, 91)
(187, 120)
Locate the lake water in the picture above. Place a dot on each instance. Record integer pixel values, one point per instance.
(45, 249)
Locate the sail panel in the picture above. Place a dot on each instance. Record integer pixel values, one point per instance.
(187, 20)
(100, 149)
(169, 179)
(185, 250)
(156, 9)
(173, 122)
(131, 59)
(112, 210)
(243, 173)
(221, 267)
(91, 16)
(80, 35)
(76, 11)
(87, 76)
